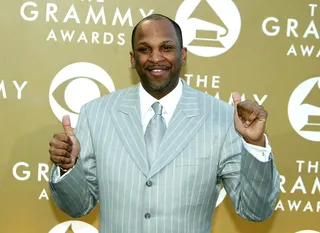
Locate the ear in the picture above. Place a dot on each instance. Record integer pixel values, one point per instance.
(184, 55)
(132, 60)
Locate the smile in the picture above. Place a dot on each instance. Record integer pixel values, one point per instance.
(157, 72)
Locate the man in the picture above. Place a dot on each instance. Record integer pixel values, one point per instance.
(159, 167)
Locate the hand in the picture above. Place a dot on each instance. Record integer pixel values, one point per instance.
(250, 120)
(64, 147)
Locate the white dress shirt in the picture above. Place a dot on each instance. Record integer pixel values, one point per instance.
(169, 104)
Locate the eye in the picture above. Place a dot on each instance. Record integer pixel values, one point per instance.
(143, 49)
(76, 85)
(167, 47)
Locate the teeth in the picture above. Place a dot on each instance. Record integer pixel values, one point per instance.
(157, 70)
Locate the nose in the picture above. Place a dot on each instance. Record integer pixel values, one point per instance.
(156, 56)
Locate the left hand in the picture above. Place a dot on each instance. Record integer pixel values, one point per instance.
(250, 120)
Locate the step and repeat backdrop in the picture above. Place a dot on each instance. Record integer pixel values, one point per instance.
(57, 55)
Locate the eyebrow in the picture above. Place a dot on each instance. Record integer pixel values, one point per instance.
(163, 42)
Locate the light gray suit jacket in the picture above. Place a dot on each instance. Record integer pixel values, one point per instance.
(200, 151)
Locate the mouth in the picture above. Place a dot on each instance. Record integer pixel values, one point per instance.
(158, 71)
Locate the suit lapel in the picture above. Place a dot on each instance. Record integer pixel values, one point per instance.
(186, 121)
(127, 119)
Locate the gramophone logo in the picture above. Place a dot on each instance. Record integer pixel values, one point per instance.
(209, 27)
(304, 109)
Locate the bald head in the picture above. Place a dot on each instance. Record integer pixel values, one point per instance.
(158, 17)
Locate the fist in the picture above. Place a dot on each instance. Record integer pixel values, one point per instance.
(250, 120)
(64, 147)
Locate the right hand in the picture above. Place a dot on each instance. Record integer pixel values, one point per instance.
(64, 147)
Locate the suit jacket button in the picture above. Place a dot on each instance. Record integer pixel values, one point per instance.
(149, 183)
(147, 215)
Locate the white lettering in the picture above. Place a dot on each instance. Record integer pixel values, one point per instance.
(95, 38)
(294, 205)
(82, 37)
(34, 14)
(43, 195)
(105, 38)
(299, 185)
(203, 80)
(215, 80)
(308, 207)
(25, 173)
(43, 169)
(121, 39)
(101, 15)
(144, 14)
(19, 89)
(51, 10)
(313, 166)
(282, 182)
(292, 50)
(311, 30)
(312, 6)
(292, 25)
(306, 50)
(3, 90)
(260, 101)
(316, 186)
(275, 29)
(300, 162)
(279, 206)
(66, 35)
(188, 76)
(72, 14)
(52, 35)
(122, 20)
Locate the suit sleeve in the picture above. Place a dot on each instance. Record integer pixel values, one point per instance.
(252, 185)
(77, 192)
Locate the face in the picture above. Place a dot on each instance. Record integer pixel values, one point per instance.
(157, 56)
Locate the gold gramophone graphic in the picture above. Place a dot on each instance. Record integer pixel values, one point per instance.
(208, 36)
(313, 99)
(69, 230)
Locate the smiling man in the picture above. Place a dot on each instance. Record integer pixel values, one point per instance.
(155, 155)
(157, 55)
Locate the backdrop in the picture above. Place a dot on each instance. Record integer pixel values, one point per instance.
(57, 55)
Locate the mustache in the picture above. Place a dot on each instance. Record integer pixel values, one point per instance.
(157, 67)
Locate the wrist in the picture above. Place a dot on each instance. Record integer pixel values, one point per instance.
(259, 142)
(64, 170)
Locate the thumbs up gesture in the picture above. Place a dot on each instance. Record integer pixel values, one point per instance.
(64, 147)
(250, 120)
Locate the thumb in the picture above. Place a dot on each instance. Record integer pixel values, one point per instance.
(67, 125)
(236, 98)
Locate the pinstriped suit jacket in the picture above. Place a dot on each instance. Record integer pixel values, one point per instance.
(200, 151)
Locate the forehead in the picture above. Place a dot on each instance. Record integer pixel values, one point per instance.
(155, 31)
